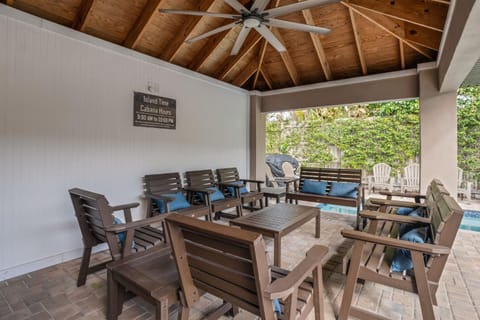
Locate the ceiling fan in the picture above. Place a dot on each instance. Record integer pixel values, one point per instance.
(257, 18)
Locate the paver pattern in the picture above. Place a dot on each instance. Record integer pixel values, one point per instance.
(51, 293)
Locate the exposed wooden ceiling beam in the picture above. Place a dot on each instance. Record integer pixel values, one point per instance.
(266, 77)
(81, 19)
(184, 33)
(143, 20)
(212, 43)
(358, 43)
(441, 1)
(413, 11)
(261, 57)
(322, 57)
(402, 54)
(287, 61)
(390, 30)
(252, 40)
(8, 2)
(246, 74)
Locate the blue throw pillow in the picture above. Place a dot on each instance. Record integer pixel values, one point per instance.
(403, 211)
(243, 189)
(402, 259)
(316, 187)
(276, 306)
(217, 195)
(180, 202)
(121, 236)
(406, 227)
(344, 189)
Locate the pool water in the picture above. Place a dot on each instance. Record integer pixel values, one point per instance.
(470, 221)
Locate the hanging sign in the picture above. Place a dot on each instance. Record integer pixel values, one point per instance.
(154, 111)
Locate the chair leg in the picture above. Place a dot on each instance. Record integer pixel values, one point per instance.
(161, 310)
(351, 280)
(183, 312)
(423, 289)
(239, 211)
(82, 274)
(318, 293)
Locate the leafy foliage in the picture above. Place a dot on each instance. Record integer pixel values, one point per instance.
(359, 136)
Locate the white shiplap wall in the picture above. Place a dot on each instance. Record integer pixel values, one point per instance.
(66, 108)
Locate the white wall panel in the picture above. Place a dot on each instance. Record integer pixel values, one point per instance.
(66, 113)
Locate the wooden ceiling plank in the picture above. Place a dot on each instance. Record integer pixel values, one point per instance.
(246, 74)
(402, 54)
(170, 53)
(82, 16)
(261, 57)
(322, 57)
(249, 44)
(441, 1)
(411, 11)
(8, 2)
(210, 46)
(392, 32)
(266, 77)
(140, 25)
(361, 57)
(287, 61)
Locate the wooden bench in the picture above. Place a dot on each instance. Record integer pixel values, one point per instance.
(370, 257)
(329, 175)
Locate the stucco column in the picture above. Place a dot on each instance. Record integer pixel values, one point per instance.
(257, 139)
(438, 133)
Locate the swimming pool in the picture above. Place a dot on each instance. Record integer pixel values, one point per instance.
(470, 221)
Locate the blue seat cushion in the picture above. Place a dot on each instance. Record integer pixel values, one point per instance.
(215, 196)
(402, 259)
(121, 236)
(406, 227)
(243, 189)
(344, 189)
(316, 187)
(180, 202)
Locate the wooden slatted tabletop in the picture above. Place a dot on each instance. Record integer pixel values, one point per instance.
(277, 221)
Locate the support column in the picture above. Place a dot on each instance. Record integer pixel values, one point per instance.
(257, 139)
(438, 133)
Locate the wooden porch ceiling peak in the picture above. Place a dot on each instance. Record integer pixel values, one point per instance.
(135, 34)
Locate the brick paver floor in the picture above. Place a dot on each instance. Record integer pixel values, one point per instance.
(51, 293)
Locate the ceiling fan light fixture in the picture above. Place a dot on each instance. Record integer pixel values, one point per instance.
(252, 22)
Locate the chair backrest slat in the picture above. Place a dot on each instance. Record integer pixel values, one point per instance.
(200, 178)
(164, 183)
(227, 175)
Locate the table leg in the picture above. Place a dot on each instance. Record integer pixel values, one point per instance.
(277, 250)
(317, 225)
(266, 201)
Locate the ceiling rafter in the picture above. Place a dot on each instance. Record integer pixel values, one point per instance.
(287, 61)
(441, 1)
(356, 34)
(184, 33)
(266, 77)
(8, 2)
(261, 57)
(210, 46)
(246, 74)
(249, 44)
(82, 16)
(322, 57)
(389, 30)
(408, 11)
(402, 54)
(140, 25)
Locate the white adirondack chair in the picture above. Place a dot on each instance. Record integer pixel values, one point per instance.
(288, 170)
(464, 188)
(381, 178)
(411, 179)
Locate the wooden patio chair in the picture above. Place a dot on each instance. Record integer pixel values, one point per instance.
(273, 188)
(95, 217)
(381, 178)
(371, 255)
(231, 264)
(248, 195)
(204, 182)
(163, 187)
(411, 178)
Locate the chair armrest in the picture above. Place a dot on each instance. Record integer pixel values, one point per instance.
(285, 286)
(125, 206)
(288, 181)
(231, 184)
(251, 180)
(117, 228)
(197, 189)
(377, 215)
(396, 203)
(160, 197)
(426, 248)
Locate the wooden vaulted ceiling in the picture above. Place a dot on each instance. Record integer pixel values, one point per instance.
(367, 37)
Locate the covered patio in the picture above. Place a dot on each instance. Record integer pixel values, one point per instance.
(68, 74)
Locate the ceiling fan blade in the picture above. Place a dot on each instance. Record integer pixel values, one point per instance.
(296, 26)
(236, 5)
(212, 32)
(201, 13)
(294, 7)
(270, 37)
(240, 40)
(260, 5)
